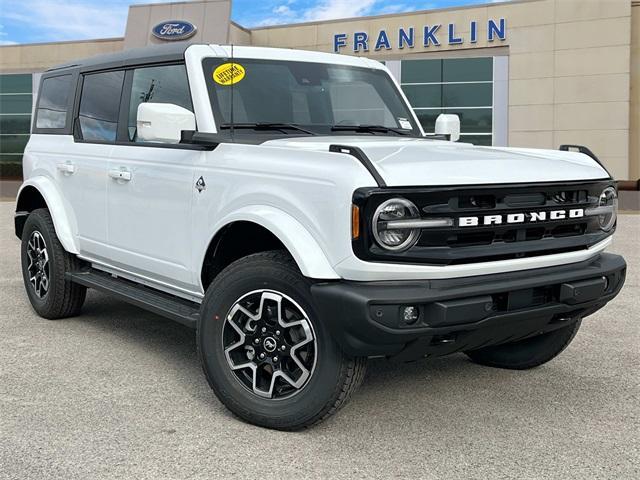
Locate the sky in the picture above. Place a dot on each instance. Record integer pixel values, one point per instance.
(31, 21)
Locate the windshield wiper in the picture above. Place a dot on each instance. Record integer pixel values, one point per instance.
(267, 126)
(369, 129)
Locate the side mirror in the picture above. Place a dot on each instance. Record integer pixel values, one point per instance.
(448, 125)
(163, 122)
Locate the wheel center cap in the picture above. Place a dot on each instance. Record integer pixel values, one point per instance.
(269, 344)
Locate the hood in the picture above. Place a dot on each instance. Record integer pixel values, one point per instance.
(417, 162)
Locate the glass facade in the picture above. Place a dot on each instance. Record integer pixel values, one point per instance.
(15, 121)
(462, 86)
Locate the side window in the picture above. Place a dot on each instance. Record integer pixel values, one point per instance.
(164, 84)
(54, 102)
(99, 106)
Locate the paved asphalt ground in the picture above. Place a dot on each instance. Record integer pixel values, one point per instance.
(118, 393)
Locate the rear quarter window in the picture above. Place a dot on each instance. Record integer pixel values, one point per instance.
(53, 104)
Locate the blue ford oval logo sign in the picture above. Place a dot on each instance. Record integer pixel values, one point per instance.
(174, 30)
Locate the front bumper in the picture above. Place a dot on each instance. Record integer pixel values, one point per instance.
(464, 313)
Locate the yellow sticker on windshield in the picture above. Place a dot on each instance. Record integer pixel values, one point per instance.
(228, 74)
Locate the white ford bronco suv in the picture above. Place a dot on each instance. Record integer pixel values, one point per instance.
(289, 207)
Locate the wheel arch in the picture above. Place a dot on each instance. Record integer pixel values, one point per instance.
(41, 193)
(257, 229)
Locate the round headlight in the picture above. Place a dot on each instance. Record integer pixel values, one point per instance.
(608, 205)
(395, 237)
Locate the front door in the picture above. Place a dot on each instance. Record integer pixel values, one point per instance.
(149, 212)
(151, 187)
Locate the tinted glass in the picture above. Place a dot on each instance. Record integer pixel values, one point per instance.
(15, 121)
(314, 95)
(15, 124)
(15, 103)
(54, 102)
(448, 70)
(460, 86)
(13, 143)
(467, 69)
(16, 83)
(476, 120)
(428, 119)
(166, 84)
(423, 95)
(484, 140)
(421, 71)
(468, 95)
(10, 165)
(99, 105)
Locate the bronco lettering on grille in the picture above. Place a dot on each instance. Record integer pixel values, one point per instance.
(522, 217)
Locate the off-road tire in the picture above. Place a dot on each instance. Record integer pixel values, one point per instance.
(335, 376)
(528, 353)
(63, 297)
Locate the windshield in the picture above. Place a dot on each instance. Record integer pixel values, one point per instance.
(305, 98)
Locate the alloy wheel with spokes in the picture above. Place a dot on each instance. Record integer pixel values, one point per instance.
(45, 265)
(269, 344)
(266, 353)
(38, 264)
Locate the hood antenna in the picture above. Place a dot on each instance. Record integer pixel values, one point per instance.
(233, 71)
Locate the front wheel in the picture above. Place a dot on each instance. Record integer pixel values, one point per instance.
(527, 353)
(264, 351)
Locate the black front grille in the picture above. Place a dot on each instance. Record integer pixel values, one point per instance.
(463, 243)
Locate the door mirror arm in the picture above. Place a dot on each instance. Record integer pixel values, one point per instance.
(204, 139)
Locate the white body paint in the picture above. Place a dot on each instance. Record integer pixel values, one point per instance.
(156, 227)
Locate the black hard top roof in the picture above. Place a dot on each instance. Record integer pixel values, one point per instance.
(132, 56)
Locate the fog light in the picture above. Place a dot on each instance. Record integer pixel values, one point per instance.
(410, 314)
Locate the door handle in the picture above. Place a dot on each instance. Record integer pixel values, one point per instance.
(123, 175)
(66, 168)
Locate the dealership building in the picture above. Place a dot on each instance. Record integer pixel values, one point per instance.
(525, 73)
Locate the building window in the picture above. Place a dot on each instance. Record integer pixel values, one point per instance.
(99, 106)
(462, 86)
(15, 122)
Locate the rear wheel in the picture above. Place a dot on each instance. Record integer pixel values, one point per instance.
(264, 351)
(527, 353)
(44, 265)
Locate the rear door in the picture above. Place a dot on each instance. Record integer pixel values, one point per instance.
(73, 135)
(149, 211)
(94, 137)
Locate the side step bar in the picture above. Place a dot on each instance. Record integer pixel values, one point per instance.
(177, 309)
